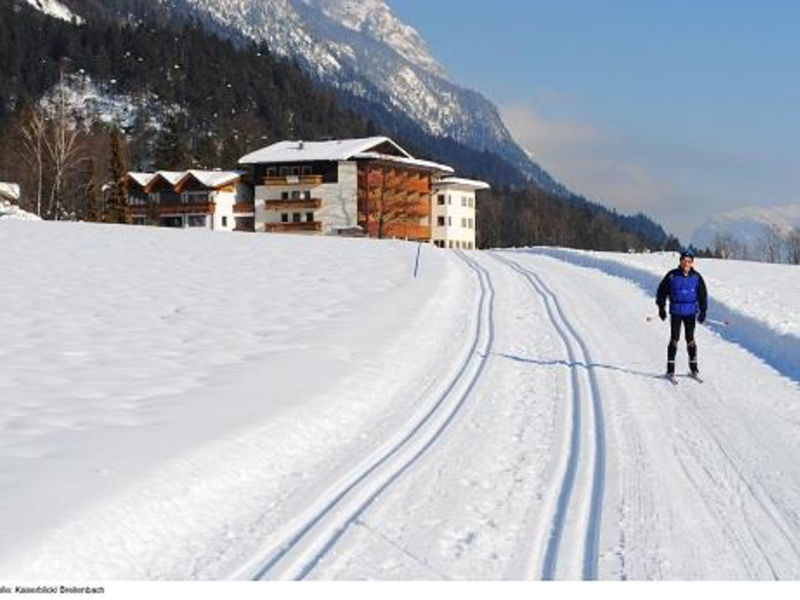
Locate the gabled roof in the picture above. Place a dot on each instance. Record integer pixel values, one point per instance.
(472, 184)
(168, 177)
(208, 179)
(141, 179)
(10, 191)
(333, 150)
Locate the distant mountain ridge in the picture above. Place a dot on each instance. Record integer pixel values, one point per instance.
(746, 225)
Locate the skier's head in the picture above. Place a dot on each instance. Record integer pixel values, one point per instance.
(686, 260)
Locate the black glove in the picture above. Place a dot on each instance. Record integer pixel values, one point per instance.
(701, 317)
(662, 313)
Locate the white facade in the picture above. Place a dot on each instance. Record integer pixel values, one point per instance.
(453, 212)
(304, 199)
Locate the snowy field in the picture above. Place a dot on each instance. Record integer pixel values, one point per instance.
(195, 405)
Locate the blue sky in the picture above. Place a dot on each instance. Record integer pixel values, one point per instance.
(678, 109)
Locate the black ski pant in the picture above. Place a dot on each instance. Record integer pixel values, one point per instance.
(675, 336)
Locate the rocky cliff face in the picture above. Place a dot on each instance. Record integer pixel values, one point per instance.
(364, 49)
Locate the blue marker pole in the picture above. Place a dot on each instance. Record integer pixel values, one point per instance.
(416, 263)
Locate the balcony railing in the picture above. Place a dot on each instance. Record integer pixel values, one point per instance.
(244, 207)
(296, 204)
(293, 180)
(205, 208)
(293, 227)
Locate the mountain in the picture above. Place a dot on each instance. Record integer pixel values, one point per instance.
(745, 229)
(365, 51)
(195, 92)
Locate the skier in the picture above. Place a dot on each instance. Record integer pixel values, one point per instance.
(688, 301)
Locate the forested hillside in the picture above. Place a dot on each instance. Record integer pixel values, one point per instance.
(203, 100)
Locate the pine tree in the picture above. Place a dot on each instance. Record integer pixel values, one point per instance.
(93, 209)
(117, 210)
(172, 149)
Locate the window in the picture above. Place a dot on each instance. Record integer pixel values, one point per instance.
(224, 221)
(284, 195)
(307, 194)
(449, 220)
(464, 201)
(471, 202)
(463, 222)
(284, 171)
(440, 221)
(295, 171)
(307, 170)
(440, 199)
(449, 199)
(450, 243)
(471, 223)
(284, 217)
(295, 194)
(196, 221)
(309, 217)
(296, 217)
(272, 172)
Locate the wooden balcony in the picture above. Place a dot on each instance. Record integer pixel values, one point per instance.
(313, 226)
(244, 207)
(297, 204)
(204, 208)
(293, 180)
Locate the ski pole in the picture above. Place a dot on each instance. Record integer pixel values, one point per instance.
(712, 321)
(715, 322)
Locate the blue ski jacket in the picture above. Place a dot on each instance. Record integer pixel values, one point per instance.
(687, 293)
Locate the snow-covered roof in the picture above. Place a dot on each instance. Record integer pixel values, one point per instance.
(300, 151)
(9, 191)
(141, 178)
(172, 177)
(211, 179)
(474, 184)
(411, 162)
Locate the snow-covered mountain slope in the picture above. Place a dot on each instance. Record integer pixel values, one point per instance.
(364, 48)
(88, 102)
(302, 407)
(56, 9)
(746, 225)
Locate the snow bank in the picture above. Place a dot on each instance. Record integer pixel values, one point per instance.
(10, 211)
(760, 301)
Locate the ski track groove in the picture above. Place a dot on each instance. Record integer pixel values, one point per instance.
(485, 323)
(772, 511)
(763, 500)
(591, 543)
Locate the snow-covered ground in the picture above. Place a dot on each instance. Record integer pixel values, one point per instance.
(181, 405)
(9, 211)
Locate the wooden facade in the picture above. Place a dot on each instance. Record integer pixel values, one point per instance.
(394, 200)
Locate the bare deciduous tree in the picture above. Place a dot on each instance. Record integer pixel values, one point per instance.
(32, 141)
(793, 246)
(772, 243)
(63, 149)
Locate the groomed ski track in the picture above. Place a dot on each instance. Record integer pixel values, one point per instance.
(612, 474)
(580, 362)
(322, 526)
(503, 416)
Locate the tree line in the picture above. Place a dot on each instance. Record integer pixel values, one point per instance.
(203, 101)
